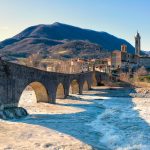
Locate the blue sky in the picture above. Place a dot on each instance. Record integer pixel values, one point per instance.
(121, 18)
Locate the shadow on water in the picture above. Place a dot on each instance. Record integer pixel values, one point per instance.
(119, 125)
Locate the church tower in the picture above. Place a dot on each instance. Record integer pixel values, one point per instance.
(137, 44)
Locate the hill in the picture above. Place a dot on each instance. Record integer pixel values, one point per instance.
(51, 38)
(78, 48)
(146, 53)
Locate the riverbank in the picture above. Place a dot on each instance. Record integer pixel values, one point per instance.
(103, 118)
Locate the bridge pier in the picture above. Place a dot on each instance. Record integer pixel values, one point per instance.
(66, 89)
(14, 78)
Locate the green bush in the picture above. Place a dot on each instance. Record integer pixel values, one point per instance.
(145, 78)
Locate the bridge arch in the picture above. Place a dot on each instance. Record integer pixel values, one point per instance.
(60, 93)
(94, 80)
(34, 92)
(74, 87)
(85, 86)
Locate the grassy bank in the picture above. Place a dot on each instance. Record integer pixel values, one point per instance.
(145, 78)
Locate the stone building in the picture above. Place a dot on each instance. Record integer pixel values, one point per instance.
(137, 44)
(103, 65)
(122, 59)
(144, 61)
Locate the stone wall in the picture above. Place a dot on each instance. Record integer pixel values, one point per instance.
(14, 78)
(144, 61)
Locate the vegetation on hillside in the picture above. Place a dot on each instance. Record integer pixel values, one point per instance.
(61, 40)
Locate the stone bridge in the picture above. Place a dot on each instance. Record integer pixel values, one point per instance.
(48, 86)
(14, 78)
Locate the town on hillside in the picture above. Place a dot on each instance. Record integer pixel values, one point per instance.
(118, 64)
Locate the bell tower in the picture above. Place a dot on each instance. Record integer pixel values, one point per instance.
(137, 44)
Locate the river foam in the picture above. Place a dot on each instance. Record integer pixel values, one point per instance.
(121, 125)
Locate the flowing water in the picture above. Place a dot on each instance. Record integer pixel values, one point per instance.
(116, 123)
(121, 125)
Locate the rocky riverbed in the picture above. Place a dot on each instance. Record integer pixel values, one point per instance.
(101, 119)
(141, 92)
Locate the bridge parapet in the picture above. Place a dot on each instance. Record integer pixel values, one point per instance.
(14, 78)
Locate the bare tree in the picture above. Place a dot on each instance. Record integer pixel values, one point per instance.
(124, 77)
(33, 60)
(140, 72)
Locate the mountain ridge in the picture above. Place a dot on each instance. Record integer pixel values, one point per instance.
(61, 33)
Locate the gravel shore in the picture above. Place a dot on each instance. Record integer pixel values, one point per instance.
(68, 125)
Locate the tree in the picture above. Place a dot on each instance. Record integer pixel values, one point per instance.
(33, 60)
(140, 72)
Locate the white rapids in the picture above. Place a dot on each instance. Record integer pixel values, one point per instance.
(89, 121)
(124, 124)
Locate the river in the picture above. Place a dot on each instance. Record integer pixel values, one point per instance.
(101, 119)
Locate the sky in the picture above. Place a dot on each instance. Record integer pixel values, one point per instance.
(121, 18)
